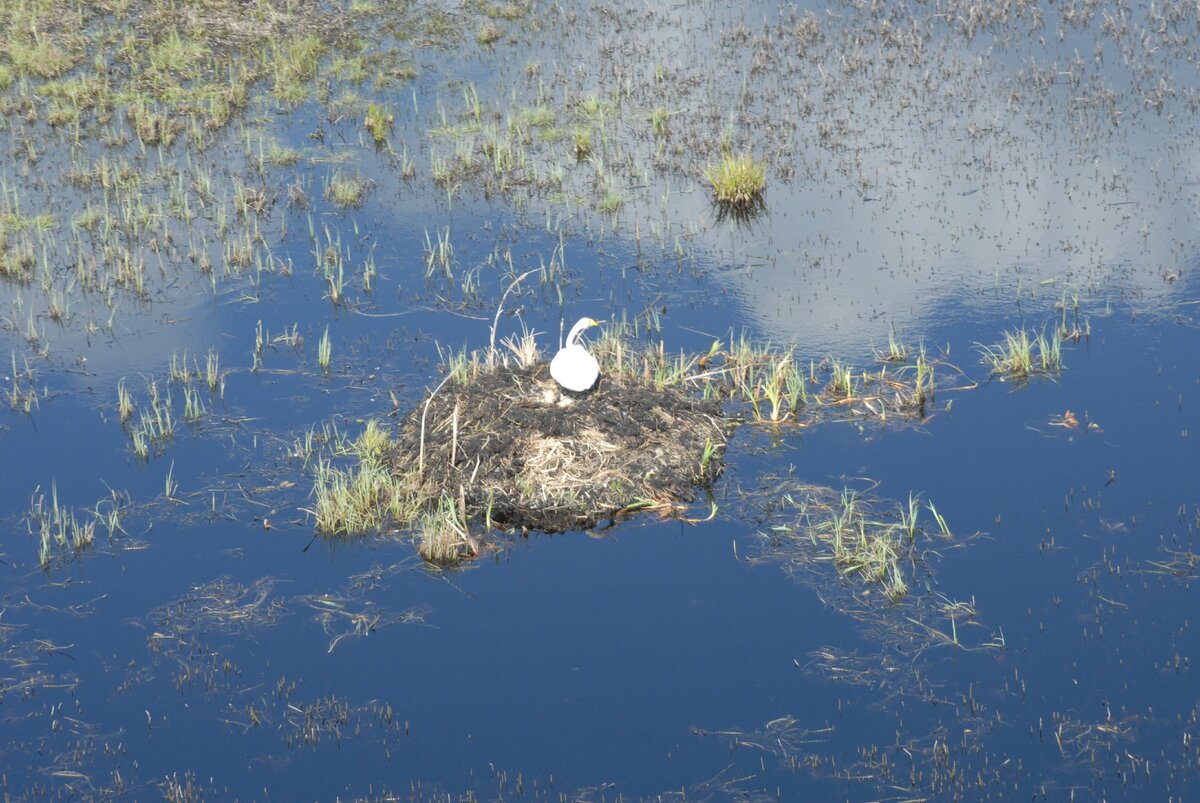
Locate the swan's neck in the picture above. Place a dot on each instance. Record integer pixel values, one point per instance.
(576, 330)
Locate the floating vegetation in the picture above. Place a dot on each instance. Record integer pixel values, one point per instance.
(883, 553)
(221, 604)
(861, 543)
(1175, 562)
(342, 616)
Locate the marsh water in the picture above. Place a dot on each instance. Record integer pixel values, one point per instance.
(194, 186)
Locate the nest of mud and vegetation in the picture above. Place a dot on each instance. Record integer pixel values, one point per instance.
(495, 445)
(506, 446)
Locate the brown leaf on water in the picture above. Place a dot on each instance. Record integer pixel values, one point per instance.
(1067, 420)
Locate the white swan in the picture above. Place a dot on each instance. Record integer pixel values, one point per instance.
(573, 367)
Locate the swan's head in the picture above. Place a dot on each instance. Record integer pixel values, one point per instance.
(579, 328)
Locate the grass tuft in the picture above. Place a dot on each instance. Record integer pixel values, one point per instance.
(442, 535)
(487, 34)
(737, 181)
(324, 351)
(379, 122)
(346, 190)
(366, 496)
(1024, 354)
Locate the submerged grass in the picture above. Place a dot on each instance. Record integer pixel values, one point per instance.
(847, 530)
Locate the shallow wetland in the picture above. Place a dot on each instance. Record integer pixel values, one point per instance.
(905, 290)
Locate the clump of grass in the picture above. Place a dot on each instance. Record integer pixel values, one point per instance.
(737, 181)
(21, 397)
(18, 260)
(212, 372)
(295, 63)
(156, 423)
(591, 108)
(442, 535)
(193, 405)
(487, 34)
(896, 350)
(57, 528)
(282, 155)
(440, 255)
(37, 55)
(347, 190)
(1024, 354)
(364, 497)
(1071, 325)
(540, 116)
(373, 443)
(658, 118)
(842, 384)
(179, 371)
(924, 385)
(610, 202)
(462, 366)
(504, 11)
(524, 348)
(153, 125)
(378, 122)
(249, 201)
(324, 351)
(582, 139)
(125, 405)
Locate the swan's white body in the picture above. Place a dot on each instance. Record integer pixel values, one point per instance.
(573, 367)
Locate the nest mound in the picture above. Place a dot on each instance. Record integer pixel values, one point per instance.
(505, 448)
